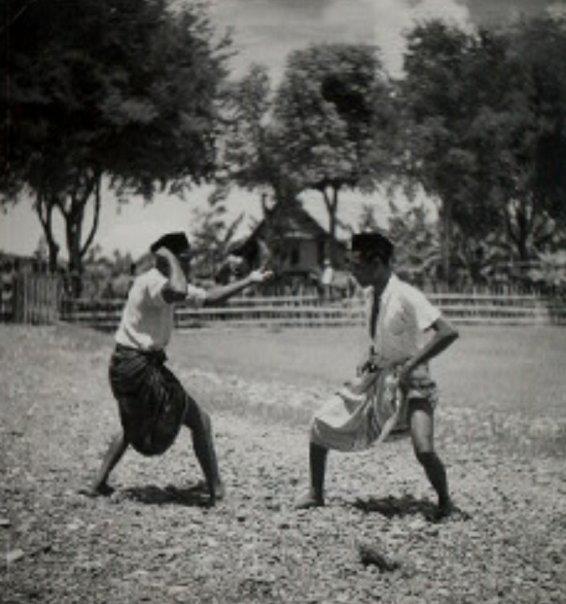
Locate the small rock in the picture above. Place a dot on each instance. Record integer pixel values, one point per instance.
(176, 590)
(4, 522)
(14, 555)
(170, 553)
(417, 524)
(374, 553)
(137, 574)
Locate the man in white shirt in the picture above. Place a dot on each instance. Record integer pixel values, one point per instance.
(153, 404)
(405, 331)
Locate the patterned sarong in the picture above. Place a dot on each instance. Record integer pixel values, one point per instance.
(347, 425)
(151, 400)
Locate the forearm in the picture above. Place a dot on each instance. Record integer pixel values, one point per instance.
(434, 347)
(219, 294)
(174, 272)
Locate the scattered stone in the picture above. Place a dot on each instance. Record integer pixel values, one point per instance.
(14, 555)
(177, 590)
(374, 554)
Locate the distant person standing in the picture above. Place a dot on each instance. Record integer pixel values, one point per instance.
(326, 279)
(405, 331)
(153, 404)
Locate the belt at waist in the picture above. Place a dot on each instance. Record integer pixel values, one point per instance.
(154, 355)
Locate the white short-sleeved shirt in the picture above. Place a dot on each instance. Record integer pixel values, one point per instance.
(147, 320)
(404, 315)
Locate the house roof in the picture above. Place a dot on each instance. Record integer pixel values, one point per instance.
(284, 221)
(292, 221)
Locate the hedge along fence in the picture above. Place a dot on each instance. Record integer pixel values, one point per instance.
(311, 311)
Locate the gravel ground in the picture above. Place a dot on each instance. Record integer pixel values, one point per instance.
(155, 540)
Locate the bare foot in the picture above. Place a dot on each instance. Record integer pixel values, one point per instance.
(217, 494)
(448, 511)
(307, 501)
(97, 490)
(219, 491)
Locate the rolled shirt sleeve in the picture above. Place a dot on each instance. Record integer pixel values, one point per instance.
(154, 283)
(425, 312)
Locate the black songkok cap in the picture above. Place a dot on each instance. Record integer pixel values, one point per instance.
(372, 244)
(176, 242)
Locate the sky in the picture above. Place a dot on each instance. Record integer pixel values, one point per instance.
(265, 31)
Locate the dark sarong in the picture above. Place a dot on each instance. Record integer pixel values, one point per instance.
(151, 400)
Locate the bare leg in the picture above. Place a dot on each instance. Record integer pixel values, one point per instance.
(116, 450)
(314, 497)
(422, 434)
(198, 421)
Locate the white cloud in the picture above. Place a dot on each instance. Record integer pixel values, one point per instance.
(267, 30)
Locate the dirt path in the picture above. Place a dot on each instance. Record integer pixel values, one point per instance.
(154, 542)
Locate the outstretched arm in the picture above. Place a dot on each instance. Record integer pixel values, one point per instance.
(219, 294)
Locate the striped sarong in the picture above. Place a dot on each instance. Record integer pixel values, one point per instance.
(346, 425)
(151, 400)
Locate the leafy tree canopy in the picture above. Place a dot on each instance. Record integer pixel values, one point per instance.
(124, 88)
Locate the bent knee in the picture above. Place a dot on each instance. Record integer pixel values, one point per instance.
(206, 420)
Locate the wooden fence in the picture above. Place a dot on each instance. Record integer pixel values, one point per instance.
(311, 311)
(34, 298)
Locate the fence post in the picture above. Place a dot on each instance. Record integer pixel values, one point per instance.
(542, 316)
(7, 293)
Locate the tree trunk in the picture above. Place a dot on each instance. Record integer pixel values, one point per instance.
(522, 235)
(73, 224)
(74, 217)
(53, 253)
(331, 204)
(44, 207)
(446, 228)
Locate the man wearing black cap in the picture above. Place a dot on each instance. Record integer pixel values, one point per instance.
(152, 402)
(405, 331)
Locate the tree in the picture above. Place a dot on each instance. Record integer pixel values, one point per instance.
(251, 148)
(333, 116)
(485, 133)
(123, 88)
(213, 235)
(438, 100)
(417, 248)
(533, 152)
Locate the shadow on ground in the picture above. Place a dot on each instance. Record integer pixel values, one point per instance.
(193, 496)
(391, 506)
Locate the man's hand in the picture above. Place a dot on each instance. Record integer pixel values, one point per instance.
(367, 362)
(260, 276)
(404, 376)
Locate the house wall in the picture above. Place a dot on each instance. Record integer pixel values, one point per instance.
(311, 254)
(302, 255)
